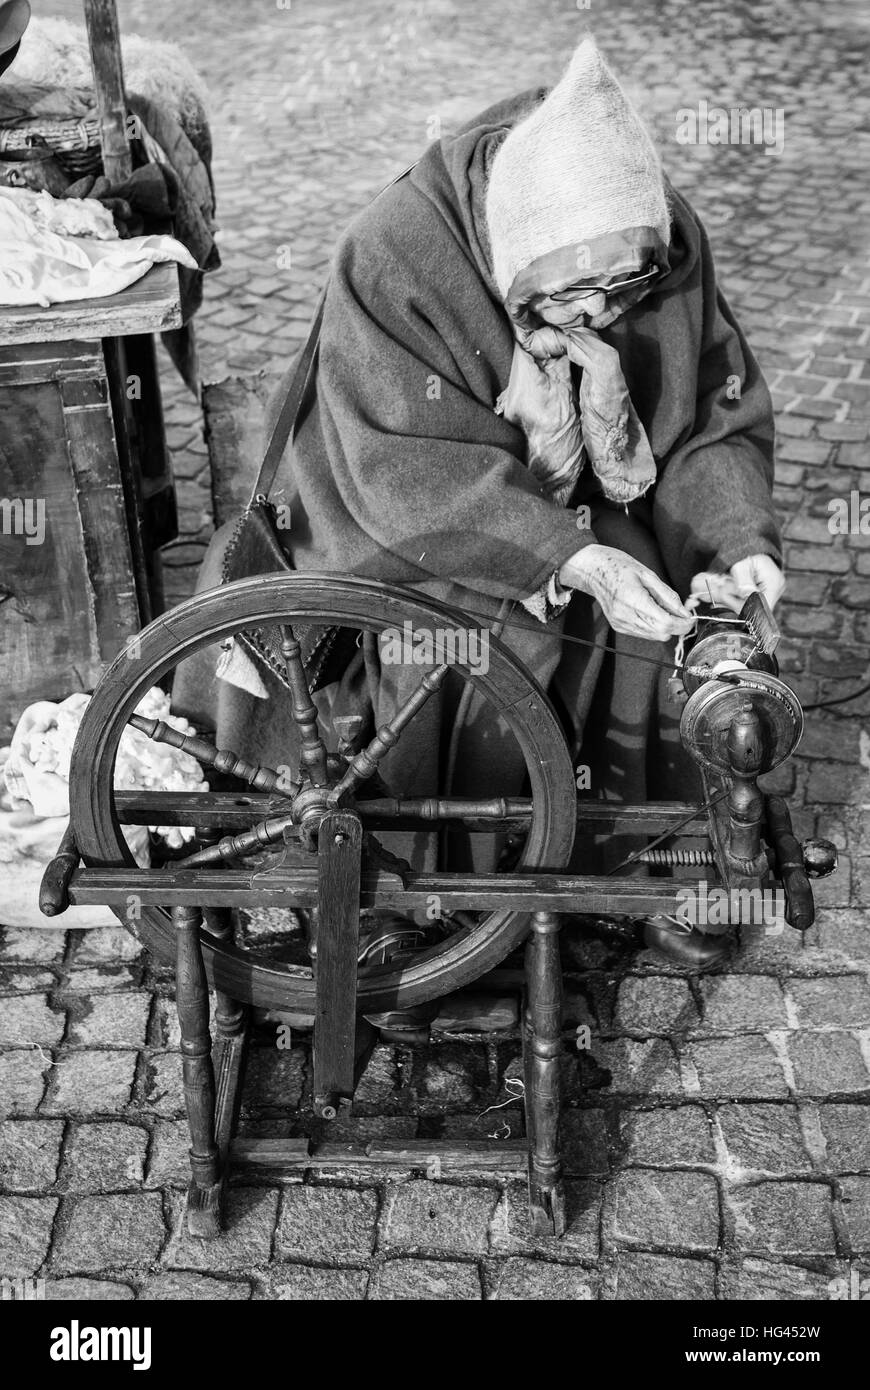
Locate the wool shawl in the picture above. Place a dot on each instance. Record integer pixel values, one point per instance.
(402, 471)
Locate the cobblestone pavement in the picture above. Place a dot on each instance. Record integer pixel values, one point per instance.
(717, 1142)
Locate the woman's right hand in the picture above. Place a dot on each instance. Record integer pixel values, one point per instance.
(635, 601)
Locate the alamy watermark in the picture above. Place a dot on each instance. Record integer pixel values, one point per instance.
(23, 516)
(849, 516)
(21, 1289)
(421, 646)
(77, 1343)
(736, 125)
(703, 906)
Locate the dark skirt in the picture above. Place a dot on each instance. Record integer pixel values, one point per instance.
(618, 722)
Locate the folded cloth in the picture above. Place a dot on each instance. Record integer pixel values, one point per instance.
(38, 266)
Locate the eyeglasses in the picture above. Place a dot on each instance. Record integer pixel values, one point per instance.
(616, 287)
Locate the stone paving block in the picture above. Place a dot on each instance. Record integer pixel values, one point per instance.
(26, 1020)
(167, 1027)
(192, 1288)
(761, 1280)
(98, 980)
(667, 1137)
(424, 1215)
(453, 1078)
(845, 938)
(103, 1157)
(855, 1198)
(510, 1233)
(782, 1218)
(21, 943)
(244, 1243)
(169, 1163)
(839, 1001)
(29, 1154)
(654, 1004)
(740, 1066)
(302, 1283)
(675, 1209)
(163, 1084)
(124, 1231)
(646, 1068)
(828, 1064)
(90, 1083)
(583, 1139)
(111, 1020)
(273, 1078)
(379, 1085)
(432, 1280)
(741, 1004)
(327, 1223)
(826, 782)
(846, 1132)
(107, 946)
(663, 1278)
(767, 1138)
(88, 1290)
(25, 1233)
(836, 891)
(534, 1280)
(25, 981)
(22, 1081)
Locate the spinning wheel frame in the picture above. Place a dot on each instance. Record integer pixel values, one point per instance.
(211, 616)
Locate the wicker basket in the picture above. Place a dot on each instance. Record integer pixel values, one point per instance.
(75, 144)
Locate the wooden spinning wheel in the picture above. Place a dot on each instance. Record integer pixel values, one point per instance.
(309, 843)
(322, 789)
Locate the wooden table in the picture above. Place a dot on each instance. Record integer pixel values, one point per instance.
(86, 491)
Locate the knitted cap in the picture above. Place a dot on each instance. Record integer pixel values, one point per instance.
(580, 166)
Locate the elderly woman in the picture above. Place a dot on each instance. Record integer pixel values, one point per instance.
(531, 401)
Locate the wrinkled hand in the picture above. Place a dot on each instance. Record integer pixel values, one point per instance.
(731, 590)
(635, 601)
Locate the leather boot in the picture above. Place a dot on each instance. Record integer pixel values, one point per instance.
(685, 946)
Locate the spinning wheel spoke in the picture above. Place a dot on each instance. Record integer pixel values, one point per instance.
(264, 779)
(365, 763)
(436, 808)
(260, 836)
(313, 755)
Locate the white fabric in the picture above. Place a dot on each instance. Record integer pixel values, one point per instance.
(548, 601)
(580, 166)
(36, 771)
(38, 266)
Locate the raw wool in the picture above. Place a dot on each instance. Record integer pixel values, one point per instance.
(64, 216)
(582, 165)
(56, 52)
(36, 767)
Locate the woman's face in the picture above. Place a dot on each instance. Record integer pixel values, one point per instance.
(578, 307)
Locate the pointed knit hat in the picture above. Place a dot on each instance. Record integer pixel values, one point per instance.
(581, 166)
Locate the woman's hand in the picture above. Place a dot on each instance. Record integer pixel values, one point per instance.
(635, 601)
(731, 590)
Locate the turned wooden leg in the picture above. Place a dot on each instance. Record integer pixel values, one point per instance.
(191, 992)
(542, 1048)
(231, 1041)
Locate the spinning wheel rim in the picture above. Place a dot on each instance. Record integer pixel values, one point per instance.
(207, 618)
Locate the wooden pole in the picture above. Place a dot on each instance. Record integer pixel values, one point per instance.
(101, 18)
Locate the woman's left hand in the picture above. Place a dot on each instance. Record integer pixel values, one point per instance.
(757, 572)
